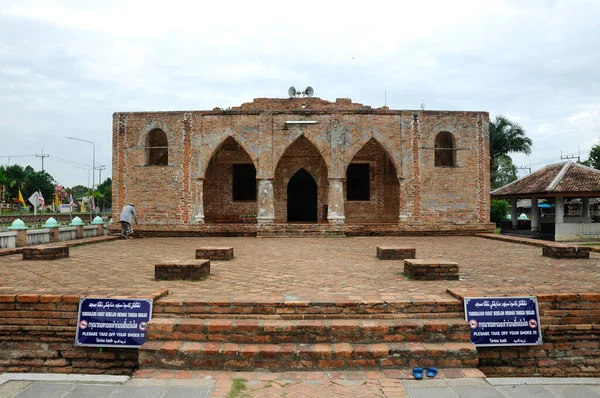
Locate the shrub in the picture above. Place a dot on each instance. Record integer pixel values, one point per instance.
(498, 209)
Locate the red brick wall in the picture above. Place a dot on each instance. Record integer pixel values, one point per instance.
(571, 334)
(218, 192)
(383, 203)
(301, 154)
(451, 194)
(37, 334)
(167, 195)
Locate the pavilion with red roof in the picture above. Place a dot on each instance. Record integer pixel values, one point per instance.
(560, 181)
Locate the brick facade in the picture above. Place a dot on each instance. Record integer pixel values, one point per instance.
(280, 137)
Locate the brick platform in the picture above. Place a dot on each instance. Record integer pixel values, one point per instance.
(565, 251)
(194, 270)
(189, 338)
(215, 253)
(395, 252)
(45, 252)
(431, 270)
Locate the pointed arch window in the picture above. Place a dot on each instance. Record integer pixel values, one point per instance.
(244, 182)
(157, 148)
(445, 150)
(358, 182)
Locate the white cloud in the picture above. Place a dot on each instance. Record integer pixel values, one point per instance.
(66, 66)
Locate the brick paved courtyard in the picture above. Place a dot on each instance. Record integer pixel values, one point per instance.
(302, 267)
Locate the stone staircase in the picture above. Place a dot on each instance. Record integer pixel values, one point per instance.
(301, 335)
(299, 230)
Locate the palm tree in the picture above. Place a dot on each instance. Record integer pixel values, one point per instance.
(505, 137)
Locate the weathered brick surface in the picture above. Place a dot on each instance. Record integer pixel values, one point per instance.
(279, 331)
(194, 270)
(398, 145)
(286, 357)
(215, 253)
(395, 252)
(42, 252)
(37, 334)
(571, 334)
(343, 308)
(565, 251)
(419, 269)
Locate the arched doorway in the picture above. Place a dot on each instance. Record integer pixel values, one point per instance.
(229, 184)
(302, 197)
(372, 186)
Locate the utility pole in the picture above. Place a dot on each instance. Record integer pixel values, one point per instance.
(572, 156)
(524, 168)
(41, 156)
(100, 168)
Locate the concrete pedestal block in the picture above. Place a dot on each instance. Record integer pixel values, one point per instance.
(53, 235)
(429, 270)
(395, 252)
(565, 251)
(215, 253)
(193, 270)
(45, 252)
(79, 232)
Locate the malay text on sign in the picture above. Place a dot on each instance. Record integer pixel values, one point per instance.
(503, 321)
(106, 322)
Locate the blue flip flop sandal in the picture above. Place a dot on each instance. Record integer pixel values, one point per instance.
(418, 373)
(431, 372)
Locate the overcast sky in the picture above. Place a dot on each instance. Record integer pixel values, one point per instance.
(66, 67)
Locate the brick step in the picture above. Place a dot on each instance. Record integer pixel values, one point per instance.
(298, 230)
(284, 378)
(308, 331)
(444, 315)
(424, 307)
(279, 357)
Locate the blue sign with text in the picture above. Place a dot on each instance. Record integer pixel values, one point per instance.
(107, 322)
(503, 321)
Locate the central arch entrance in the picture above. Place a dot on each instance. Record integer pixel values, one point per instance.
(302, 197)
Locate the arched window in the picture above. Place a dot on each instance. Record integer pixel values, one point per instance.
(445, 150)
(157, 148)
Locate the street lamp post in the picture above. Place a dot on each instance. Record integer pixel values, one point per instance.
(93, 157)
(88, 170)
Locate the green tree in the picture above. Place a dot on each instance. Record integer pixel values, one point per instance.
(39, 181)
(78, 192)
(13, 179)
(505, 137)
(594, 158)
(103, 195)
(499, 208)
(503, 171)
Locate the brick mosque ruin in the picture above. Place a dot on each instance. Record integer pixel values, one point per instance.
(281, 161)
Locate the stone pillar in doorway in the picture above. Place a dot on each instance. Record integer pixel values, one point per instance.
(514, 217)
(559, 210)
(585, 208)
(402, 216)
(266, 202)
(535, 215)
(335, 208)
(199, 206)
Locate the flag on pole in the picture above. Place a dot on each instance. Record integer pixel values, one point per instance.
(42, 201)
(21, 200)
(56, 199)
(82, 206)
(71, 203)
